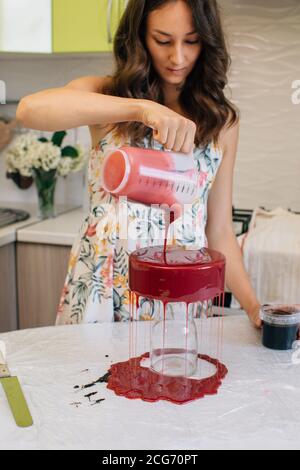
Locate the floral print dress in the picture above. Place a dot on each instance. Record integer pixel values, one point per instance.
(96, 285)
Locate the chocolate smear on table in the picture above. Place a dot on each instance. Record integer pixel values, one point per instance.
(98, 401)
(89, 395)
(103, 379)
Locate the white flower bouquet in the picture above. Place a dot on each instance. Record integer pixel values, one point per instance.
(32, 158)
(29, 152)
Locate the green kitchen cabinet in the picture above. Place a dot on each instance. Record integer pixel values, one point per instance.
(85, 26)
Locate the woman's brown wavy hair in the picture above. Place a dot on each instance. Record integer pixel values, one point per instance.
(202, 95)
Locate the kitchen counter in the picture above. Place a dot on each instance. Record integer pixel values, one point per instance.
(257, 406)
(9, 233)
(60, 230)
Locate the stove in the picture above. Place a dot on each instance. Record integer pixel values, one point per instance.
(11, 216)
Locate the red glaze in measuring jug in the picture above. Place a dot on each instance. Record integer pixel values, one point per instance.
(150, 176)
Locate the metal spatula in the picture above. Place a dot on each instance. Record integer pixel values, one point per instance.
(14, 396)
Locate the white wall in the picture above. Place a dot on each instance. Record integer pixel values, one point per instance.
(264, 40)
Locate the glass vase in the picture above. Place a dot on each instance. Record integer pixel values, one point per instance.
(45, 184)
(174, 342)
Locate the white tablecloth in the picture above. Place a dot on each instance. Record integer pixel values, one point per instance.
(258, 405)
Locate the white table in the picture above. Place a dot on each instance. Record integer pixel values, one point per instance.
(258, 405)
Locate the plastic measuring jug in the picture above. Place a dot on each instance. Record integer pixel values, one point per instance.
(150, 176)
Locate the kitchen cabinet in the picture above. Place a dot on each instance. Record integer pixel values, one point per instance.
(81, 26)
(25, 26)
(45, 26)
(8, 296)
(41, 271)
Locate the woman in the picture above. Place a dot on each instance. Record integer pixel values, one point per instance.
(166, 93)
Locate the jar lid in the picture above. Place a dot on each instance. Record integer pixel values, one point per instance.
(280, 314)
(179, 275)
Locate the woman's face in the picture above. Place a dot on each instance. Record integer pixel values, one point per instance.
(179, 47)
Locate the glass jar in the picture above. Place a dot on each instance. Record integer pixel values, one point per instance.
(281, 325)
(168, 288)
(174, 344)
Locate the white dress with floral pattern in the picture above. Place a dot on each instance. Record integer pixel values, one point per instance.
(96, 285)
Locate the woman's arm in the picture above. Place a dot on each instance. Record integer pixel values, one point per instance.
(79, 103)
(219, 229)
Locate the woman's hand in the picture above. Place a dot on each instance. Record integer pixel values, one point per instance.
(171, 129)
(254, 316)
